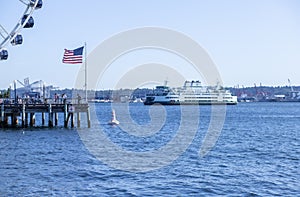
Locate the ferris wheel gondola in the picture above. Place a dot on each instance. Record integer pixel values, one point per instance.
(26, 21)
(3, 54)
(29, 23)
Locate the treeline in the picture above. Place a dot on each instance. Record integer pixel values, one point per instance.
(5, 93)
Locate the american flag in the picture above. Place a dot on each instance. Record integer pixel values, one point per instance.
(73, 56)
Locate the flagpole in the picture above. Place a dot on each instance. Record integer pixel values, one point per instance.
(85, 73)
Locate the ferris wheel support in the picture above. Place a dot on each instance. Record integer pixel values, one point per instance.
(26, 21)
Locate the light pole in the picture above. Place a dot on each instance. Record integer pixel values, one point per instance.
(9, 92)
(44, 91)
(15, 88)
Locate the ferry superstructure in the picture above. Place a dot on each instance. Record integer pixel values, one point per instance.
(162, 95)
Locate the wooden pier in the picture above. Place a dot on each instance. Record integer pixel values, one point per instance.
(25, 111)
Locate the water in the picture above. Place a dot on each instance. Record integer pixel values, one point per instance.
(257, 154)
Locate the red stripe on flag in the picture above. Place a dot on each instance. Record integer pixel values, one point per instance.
(70, 58)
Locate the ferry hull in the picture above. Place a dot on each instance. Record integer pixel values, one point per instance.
(161, 103)
(188, 103)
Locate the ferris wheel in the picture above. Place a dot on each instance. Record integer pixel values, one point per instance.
(26, 21)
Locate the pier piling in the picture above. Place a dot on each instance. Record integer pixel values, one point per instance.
(78, 119)
(26, 119)
(65, 115)
(32, 119)
(56, 119)
(50, 122)
(2, 114)
(43, 119)
(23, 115)
(88, 118)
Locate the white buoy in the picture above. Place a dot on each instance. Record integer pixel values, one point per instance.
(113, 121)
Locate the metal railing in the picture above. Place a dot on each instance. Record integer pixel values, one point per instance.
(11, 101)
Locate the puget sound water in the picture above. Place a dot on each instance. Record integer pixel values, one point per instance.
(256, 154)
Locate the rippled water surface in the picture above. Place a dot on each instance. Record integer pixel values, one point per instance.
(257, 154)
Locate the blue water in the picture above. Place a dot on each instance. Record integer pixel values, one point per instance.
(257, 154)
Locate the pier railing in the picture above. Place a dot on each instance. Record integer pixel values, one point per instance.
(41, 101)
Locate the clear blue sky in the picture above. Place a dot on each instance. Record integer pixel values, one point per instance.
(251, 41)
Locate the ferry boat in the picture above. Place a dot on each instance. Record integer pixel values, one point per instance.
(163, 95)
(192, 93)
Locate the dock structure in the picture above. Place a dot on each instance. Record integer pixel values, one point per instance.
(24, 110)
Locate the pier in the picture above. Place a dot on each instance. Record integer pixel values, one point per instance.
(11, 112)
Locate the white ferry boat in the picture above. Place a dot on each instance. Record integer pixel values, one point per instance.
(162, 95)
(192, 93)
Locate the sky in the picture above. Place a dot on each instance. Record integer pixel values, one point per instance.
(250, 42)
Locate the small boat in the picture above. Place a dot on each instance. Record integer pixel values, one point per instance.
(113, 121)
